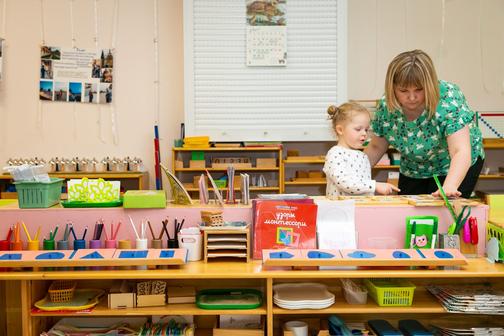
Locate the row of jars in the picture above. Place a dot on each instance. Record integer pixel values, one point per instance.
(83, 164)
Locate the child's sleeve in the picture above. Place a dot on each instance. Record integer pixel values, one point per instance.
(341, 170)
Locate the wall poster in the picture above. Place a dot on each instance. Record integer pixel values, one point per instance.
(76, 75)
(266, 33)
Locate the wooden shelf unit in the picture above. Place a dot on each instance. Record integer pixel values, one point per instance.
(187, 173)
(33, 285)
(129, 180)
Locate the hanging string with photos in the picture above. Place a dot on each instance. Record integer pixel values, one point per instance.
(95, 38)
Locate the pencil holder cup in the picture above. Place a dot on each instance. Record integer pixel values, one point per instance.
(156, 244)
(124, 244)
(33, 245)
(62, 245)
(16, 246)
(172, 243)
(79, 244)
(4, 245)
(49, 244)
(111, 244)
(141, 244)
(95, 244)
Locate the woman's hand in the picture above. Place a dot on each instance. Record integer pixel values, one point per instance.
(449, 192)
(385, 188)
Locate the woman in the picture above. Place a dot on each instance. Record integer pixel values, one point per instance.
(429, 122)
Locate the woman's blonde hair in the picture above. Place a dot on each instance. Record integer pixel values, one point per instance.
(344, 112)
(412, 68)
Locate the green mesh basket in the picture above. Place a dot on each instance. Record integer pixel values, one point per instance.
(39, 194)
(391, 292)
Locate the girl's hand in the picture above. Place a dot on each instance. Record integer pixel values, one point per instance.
(385, 188)
(449, 192)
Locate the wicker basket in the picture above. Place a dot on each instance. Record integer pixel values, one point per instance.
(62, 291)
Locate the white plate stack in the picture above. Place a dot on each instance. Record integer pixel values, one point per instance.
(302, 296)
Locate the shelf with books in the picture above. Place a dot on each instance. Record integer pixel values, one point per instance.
(264, 165)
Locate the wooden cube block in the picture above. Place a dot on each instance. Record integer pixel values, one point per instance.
(179, 164)
(197, 164)
(292, 152)
(315, 174)
(266, 162)
(301, 174)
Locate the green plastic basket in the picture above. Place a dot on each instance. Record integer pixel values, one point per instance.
(391, 292)
(39, 194)
(494, 231)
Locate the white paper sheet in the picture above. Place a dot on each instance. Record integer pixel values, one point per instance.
(336, 224)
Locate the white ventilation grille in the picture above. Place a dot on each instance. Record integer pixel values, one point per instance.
(229, 101)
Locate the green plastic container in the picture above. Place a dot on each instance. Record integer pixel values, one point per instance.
(197, 155)
(39, 194)
(229, 298)
(391, 292)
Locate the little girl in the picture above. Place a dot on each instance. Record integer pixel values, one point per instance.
(347, 168)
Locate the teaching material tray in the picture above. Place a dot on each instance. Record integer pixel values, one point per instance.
(82, 299)
(81, 204)
(229, 299)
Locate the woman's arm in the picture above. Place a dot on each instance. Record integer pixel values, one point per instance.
(376, 148)
(459, 147)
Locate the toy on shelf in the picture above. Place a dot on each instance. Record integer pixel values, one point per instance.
(178, 192)
(93, 257)
(381, 257)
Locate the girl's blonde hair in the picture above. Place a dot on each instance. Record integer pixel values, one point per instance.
(412, 68)
(344, 112)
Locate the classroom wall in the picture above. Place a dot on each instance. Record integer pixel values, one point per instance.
(67, 129)
(470, 54)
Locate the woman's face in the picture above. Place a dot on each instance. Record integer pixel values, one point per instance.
(411, 98)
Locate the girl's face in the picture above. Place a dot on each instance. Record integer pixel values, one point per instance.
(353, 133)
(411, 98)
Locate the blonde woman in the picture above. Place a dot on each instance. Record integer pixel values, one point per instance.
(430, 123)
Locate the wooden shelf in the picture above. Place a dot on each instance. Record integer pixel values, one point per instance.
(491, 177)
(288, 161)
(174, 309)
(423, 303)
(224, 170)
(237, 190)
(228, 149)
(305, 183)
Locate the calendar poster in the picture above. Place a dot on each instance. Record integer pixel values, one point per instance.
(76, 75)
(266, 33)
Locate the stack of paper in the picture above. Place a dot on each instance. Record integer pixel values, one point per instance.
(470, 299)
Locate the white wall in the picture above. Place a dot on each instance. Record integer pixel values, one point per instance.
(472, 54)
(378, 30)
(68, 129)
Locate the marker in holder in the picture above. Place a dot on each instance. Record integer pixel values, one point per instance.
(141, 244)
(95, 244)
(48, 245)
(111, 244)
(4, 246)
(63, 245)
(124, 245)
(156, 244)
(79, 244)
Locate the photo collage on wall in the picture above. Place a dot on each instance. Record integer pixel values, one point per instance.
(76, 75)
